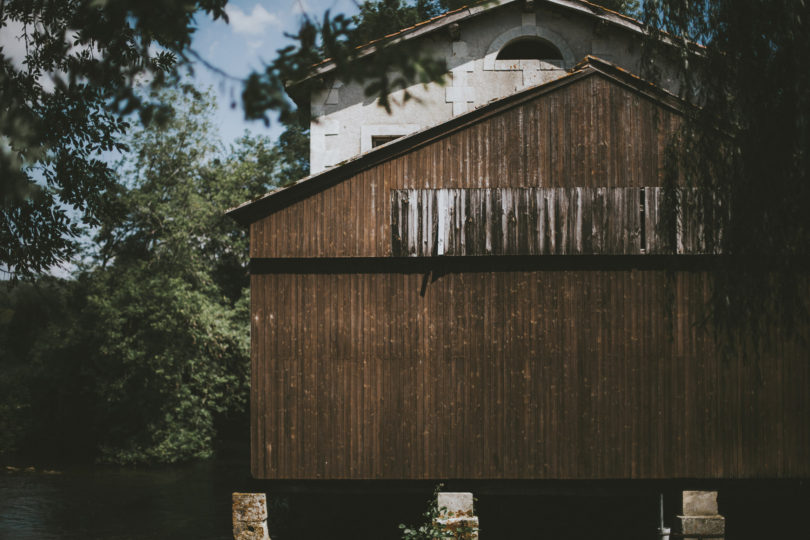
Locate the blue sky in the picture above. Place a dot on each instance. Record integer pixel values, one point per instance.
(251, 39)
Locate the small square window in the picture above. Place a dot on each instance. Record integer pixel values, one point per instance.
(378, 140)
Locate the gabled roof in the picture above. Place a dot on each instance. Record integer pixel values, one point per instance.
(258, 208)
(479, 8)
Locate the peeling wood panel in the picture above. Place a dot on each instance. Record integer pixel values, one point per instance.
(535, 374)
(698, 222)
(591, 133)
(545, 221)
(694, 226)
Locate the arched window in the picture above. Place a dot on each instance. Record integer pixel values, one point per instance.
(530, 48)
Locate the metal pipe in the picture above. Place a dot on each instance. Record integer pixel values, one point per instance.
(663, 532)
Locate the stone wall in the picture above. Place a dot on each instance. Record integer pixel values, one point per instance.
(346, 120)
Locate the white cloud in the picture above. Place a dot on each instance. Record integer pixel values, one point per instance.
(255, 22)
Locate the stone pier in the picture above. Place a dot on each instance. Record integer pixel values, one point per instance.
(250, 516)
(456, 515)
(700, 516)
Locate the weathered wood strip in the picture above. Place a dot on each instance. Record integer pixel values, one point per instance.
(547, 221)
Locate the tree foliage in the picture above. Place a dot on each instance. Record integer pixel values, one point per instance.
(172, 287)
(747, 143)
(144, 355)
(62, 105)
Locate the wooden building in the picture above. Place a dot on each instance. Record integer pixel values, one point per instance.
(493, 298)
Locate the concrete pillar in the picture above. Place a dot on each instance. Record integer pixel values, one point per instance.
(700, 515)
(456, 515)
(250, 516)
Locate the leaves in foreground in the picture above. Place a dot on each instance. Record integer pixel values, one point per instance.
(748, 144)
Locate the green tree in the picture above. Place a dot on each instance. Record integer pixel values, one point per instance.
(38, 375)
(170, 292)
(144, 356)
(748, 144)
(63, 105)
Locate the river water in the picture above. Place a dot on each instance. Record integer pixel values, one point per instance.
(191, 501)
(183, 502)
(194, 501)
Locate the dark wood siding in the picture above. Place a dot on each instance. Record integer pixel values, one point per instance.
(590, 133)
(513, 374)
(567, 366)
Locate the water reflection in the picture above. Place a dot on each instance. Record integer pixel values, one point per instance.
(191, 501)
